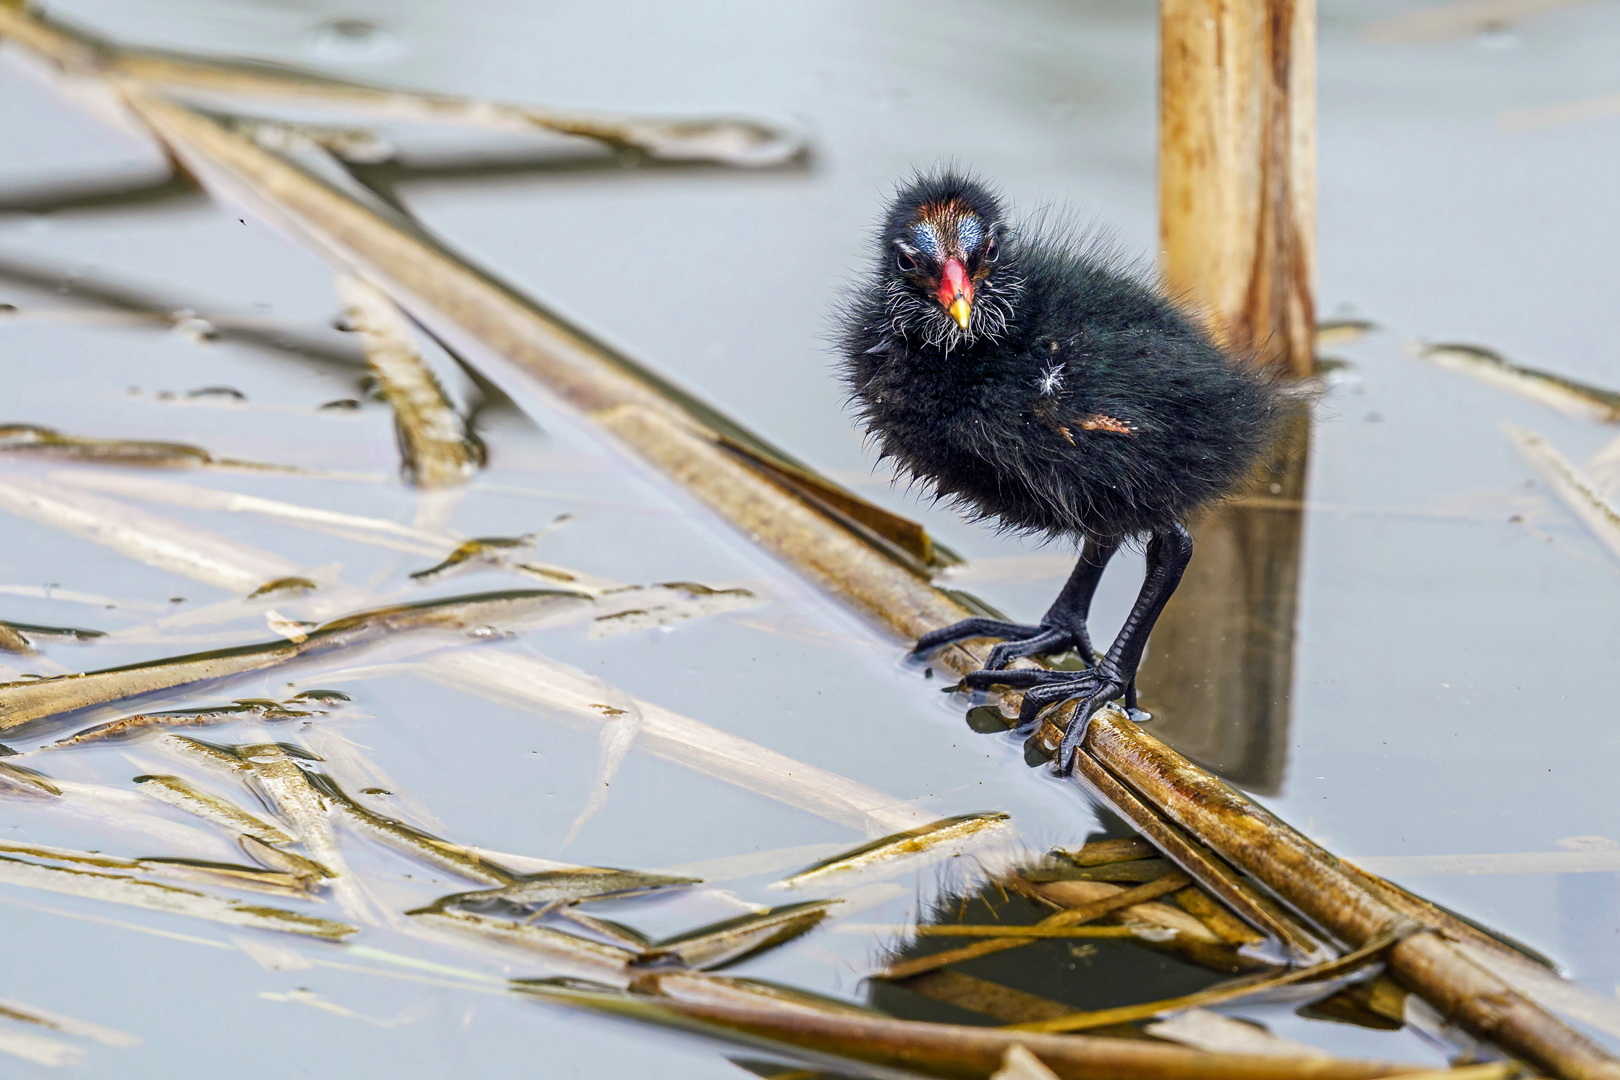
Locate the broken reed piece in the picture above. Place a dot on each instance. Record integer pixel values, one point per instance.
(369, 530)
(570, 695)
(565, 953)
(442, 854)
(281, 783)
(1398, 930)
(35, 699)
(1221, 922)
(12, 641)
(700, 987)
(730, 940)
(128, 727)
(1076, 916)
(160, 542)
(1132, 871)
(437, 448)
(992, 999)
(31, 441)
(1378, 1003)
(17, 780)
(14, 635)
(179, 793)
(735, 142)
(1582, 400)
(937, 839)
(157, 896)
(228, 875)
(1162, 925)
(681, 438)
(1104, 852)
(996, 930)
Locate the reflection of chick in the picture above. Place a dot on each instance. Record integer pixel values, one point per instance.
(1038, 384)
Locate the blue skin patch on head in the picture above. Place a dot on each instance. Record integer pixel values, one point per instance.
(970, 231)
(927, 239)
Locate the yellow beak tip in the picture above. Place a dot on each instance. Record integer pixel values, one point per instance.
(960, 311)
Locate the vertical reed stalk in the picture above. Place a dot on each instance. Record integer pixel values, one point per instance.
(1237, 170)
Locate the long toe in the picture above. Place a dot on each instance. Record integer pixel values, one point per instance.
(1018, 679)
(1076, 733)
(974, 628)
(1051, 691)
(1048, 641)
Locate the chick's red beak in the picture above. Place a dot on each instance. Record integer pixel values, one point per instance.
(956, 291)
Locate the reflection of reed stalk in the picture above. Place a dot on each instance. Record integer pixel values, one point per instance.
(1220, 665)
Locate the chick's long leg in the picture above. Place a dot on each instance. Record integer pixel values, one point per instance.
(1064, 623)
(1168, 553)
(1062, 627)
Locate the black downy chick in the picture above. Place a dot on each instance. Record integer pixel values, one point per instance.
(1035, 382)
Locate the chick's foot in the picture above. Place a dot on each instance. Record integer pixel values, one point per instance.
(1093, 688)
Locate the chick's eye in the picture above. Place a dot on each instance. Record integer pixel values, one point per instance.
(905, 263)
(991, 247)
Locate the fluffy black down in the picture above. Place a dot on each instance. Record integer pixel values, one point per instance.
(994, 419)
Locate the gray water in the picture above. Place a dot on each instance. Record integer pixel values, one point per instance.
(1456, 639)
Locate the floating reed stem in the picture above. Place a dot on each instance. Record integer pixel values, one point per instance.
(437, 448)
(1222, 992)
(1341, 900)
(1196, 860)
(721, 140)
(1076, 916)
(969, 1053)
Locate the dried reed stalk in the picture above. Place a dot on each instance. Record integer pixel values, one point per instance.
(1237, 170)
(1074, 916)
(970, 1053)
(437, 448)
(722, 140)
(1339, 899)
(1222, 992)
(1004, 1003)
(1203, 867)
